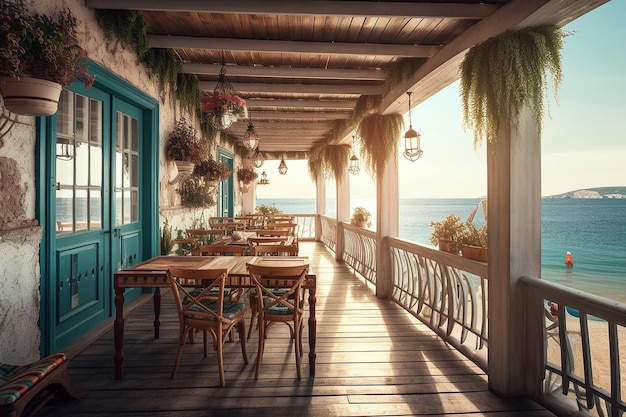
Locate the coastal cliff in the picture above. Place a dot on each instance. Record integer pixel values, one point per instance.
(598, 192)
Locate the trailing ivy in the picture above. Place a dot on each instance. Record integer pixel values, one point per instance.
(131, 29)
(507, 72)
(379, 135)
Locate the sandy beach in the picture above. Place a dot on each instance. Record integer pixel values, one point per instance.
(599, 346)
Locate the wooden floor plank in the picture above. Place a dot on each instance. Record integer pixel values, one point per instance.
(373, 358)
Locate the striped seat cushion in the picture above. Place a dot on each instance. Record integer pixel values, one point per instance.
(16, 380)
(231, 308)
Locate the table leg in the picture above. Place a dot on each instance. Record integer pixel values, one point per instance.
(157, 312)
(312, 332)
(118, 333)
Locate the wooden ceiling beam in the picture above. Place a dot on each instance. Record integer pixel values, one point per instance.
(283, 115)
(337, 89)
(296, 103)
(301, 7)
(277, 46)
(282, 72)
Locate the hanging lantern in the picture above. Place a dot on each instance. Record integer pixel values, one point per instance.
(264, 180)
(355, 165)
(250, 138)
(412, 150)
(65, 149)
(282, 167)
(224, 106)
(257, 158)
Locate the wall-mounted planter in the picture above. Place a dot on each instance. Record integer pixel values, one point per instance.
(30, 96)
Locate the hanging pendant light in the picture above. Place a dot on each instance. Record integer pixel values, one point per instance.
(412, 150)
(257, 158)
(65, 149)
(264, 180)
(250, 138)
(224, 106)
(282, 167)
(354, 166)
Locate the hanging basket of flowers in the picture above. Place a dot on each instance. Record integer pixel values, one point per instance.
(247, 175)
(184, 144)
(212, 171)
(39, 53)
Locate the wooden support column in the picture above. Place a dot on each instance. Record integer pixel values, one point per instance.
(343, 210)
(248, 198)
(320, 205)
(514, 216)
(387, 213)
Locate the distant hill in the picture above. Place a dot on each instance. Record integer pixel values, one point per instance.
(598, 192)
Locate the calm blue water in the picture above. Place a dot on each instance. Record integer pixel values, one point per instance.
(593, 230)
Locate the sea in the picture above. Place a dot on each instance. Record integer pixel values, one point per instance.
(592, 230)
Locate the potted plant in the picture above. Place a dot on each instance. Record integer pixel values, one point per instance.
(40, 55)
(184, 147)
(246, 175)
(447, 233)
(212, 171)
(167, 243)
(474, 242)
(361, 217)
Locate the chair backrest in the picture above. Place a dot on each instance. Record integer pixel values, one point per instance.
(192, 286)
(253, 241)
(218, 250)
(274, 232)
(204, 234)
(289, 279)
(275, 250)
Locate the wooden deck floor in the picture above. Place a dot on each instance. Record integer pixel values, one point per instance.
(373, 358)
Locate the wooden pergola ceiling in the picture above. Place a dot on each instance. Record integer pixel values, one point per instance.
(302, 65)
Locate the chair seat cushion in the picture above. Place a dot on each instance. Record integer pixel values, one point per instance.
(278, 309)
(231, 308)
(15, 381)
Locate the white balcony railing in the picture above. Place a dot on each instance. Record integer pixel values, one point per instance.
(576, 370)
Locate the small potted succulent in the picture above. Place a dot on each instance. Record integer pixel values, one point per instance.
(447, 233)
(39, 55)
(361, 217)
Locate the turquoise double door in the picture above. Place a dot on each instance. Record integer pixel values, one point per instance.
(100, 207)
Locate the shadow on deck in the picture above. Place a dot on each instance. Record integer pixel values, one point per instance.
(373, 358)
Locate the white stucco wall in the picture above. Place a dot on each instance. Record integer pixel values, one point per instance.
(20, 235)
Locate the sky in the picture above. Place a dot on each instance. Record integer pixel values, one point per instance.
(583, 140)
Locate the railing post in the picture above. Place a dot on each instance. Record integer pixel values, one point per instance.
(341, 242)
(387, 213)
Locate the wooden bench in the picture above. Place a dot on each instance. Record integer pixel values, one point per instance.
(25, 389)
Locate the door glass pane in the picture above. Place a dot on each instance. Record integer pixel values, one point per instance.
(78, 163)
(127, 170)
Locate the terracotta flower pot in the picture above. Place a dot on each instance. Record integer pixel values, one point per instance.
(30, 96)
(448, 246)
(476, 253)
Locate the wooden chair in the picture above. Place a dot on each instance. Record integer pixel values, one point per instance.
(206, 235)
(280, 299)
(275, 250)
(231, 294)
(199, 296)
(25, 389)
(219, 250)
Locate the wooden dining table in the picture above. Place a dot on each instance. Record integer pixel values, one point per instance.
(152, 274)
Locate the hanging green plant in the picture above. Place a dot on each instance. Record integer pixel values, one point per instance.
(316, 161)
(379, 135)
(194, 193)
(507, 72)
(336, 159)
